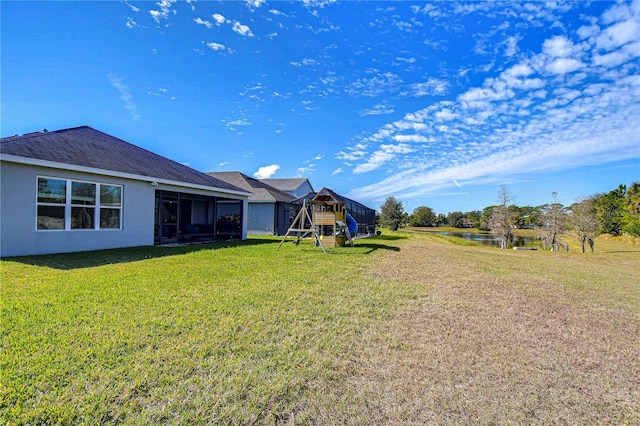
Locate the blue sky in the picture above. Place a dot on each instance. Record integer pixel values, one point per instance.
(435, 103)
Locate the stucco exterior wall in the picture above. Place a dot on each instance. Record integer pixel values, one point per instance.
(18, 210)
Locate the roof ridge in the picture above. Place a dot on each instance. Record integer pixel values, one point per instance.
(44, 132)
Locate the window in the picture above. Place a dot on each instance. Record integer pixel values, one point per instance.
(69, 204)
(110, 205)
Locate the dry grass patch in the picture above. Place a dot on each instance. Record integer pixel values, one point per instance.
(498, 337)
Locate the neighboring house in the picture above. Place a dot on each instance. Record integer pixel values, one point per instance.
(364, 216)
(294, 186)
(80, 189)
(271, 211)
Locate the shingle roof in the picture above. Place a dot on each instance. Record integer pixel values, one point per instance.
(88, 147)
(287, 184)
(261, 190)
(326, 194)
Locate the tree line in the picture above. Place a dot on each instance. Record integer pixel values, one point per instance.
(616, 212)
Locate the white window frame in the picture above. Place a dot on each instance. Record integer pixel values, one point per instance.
(68, 205)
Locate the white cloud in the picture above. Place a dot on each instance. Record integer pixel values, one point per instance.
(445, 115)
(219, 18)
(215, 46)
(337, 171)
(131, 23)
(353, 153)
(612, 59)
(380, 109)
(125, 95)
(265, 172)
(406, 60)
(255, 3)
(511, 48)
(382, 156)
(410, 138)
(306, 170)
(203, 22)
(564, 66)
(241, 29)
(239, 122)
(165, 9)
(381, 83)
(559, 47)
(619, 34)
(432, 86)
(317, 3)
(132, 7)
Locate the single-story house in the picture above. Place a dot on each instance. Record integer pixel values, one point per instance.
(271, 211)
(293, 186)
(365, 217)
(80, 189)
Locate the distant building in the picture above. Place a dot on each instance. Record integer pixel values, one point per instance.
(80, 189)
(364, 216)
(271, 211)
(294, 186)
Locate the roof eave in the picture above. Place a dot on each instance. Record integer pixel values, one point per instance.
(72, 167)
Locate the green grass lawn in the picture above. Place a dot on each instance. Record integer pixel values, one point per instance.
(229, 333)
(237, 333)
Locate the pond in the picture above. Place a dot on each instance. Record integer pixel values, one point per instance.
(485, 239)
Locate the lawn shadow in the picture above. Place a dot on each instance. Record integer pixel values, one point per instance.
(378, 242)
(91, 259)
(373, 247)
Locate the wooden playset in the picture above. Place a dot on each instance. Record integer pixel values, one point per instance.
(326, 224)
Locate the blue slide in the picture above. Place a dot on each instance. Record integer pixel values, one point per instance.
(352, 225)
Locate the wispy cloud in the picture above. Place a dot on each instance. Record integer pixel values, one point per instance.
(201, 21)
(164, 10)
(432, 86)
(241, 29)
(255, 3)
(381, 83)
(214, 46)
(265, 172)
(379, 109)
(131, 23)
(236, 26)
(383, 155)
(125, 95)
(561, 107)
(220, 19)
(132, 7)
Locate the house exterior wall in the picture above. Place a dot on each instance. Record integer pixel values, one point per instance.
(261, 219)
(18, 210)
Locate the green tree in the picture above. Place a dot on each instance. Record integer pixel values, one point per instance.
(455, 219)
(391, 213)
(475, 216)
(610, 209)
(528, 217)
(422, 216)
(631, 214)
(441, 219)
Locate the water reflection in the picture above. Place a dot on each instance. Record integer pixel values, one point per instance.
(485, 239)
